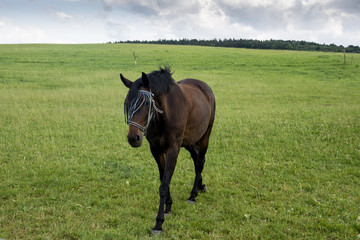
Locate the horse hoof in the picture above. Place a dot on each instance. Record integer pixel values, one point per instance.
(203, 188)
(168, 213)
(191, 201)
(156, 232)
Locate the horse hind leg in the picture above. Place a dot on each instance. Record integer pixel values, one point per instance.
(198, 156)
(198, 151)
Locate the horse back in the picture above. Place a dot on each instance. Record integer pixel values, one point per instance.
(200, 85)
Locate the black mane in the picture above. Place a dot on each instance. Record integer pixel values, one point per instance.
(159, 81)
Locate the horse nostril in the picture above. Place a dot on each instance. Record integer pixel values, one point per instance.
(134, 140)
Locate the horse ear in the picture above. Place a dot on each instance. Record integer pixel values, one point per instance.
(145, 80)
(126, 81)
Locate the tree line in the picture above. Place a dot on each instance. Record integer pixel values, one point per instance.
(254, 44)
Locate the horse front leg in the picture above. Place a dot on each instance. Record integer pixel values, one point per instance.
(164, 189)
(160, 160)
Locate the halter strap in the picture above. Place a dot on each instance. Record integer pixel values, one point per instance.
(136, 105)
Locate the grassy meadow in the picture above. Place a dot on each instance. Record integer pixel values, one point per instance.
(283, 160)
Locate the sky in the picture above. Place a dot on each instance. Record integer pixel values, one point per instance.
(101, 21)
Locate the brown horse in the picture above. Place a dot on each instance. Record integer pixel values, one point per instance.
(171, 115)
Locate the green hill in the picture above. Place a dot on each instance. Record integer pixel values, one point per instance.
(283, 160)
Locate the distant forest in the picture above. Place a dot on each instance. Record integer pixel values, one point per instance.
(255, 44)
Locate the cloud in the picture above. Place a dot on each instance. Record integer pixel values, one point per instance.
(12, 33)
(324, 21)
(154, 8)
(118, 30)
(64, 16)
(289, 19)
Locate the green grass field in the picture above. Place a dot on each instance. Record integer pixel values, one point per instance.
(283, 160)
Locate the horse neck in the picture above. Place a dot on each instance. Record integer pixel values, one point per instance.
(168, 103)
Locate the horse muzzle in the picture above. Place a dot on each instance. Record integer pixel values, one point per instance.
(135, 140)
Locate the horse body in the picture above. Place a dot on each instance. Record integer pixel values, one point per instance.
(200, 114)
(185, 115)
(187, 123)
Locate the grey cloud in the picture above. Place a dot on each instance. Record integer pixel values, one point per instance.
(106, 6)
(350, 6)
(303, 16)
(310, 17)
(268, 17)
(158, 8)
(166, 14)
(259, 16)
(256, 17)
(277, 18)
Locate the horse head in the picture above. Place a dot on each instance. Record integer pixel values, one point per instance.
(139, 108)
